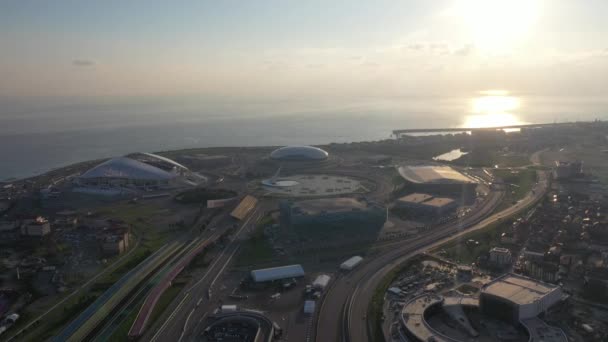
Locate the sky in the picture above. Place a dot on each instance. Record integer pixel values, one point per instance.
(286, 49)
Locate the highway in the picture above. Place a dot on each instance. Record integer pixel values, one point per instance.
(134, 301)
(180, 320)
(349, 296)
(329, 326)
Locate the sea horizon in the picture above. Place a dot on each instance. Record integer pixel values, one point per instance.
(37, 138)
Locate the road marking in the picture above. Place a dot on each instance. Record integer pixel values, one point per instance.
(224, 267)
(162, 327)
(185, 325)
(170, 316)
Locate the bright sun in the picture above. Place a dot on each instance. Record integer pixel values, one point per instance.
(496, 24)
(493, 109)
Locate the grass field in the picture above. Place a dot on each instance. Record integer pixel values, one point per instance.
(461, 252)
(164, 300)
(518, 183)
(121, 333)
(257, 249)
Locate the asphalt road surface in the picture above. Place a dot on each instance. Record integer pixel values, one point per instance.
(350, 295)
(180, 319)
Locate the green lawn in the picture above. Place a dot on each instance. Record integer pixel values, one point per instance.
(164, 300)
(121, 333)
(461, 252)
(257, 249)
(518, 183)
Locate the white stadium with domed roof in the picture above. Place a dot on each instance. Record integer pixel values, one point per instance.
(138, 171)
(299, 153)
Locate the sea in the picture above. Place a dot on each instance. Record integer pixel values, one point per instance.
(38, 135)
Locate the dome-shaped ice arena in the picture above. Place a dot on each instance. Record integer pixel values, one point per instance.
(303, 153)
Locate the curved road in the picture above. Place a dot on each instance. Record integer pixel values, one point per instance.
(350, 295)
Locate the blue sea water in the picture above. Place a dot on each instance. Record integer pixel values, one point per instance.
(36, 136)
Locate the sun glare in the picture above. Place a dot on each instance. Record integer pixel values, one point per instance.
(493, 108)
(492, 104)
(496, 24)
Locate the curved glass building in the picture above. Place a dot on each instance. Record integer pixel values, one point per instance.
(303, 153)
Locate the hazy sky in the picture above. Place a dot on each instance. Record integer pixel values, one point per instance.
(298, 48)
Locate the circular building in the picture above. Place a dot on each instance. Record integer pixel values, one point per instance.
(299, 153)
(138, 171)
(124, 171)
(439, 180)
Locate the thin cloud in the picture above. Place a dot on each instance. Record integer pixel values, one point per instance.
(83, 63)
(465, 50)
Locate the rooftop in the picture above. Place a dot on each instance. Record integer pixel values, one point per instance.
(433, 175)
(518, 289)
(412, 316)
(415, 198)
(277, 273)
(124, 167)
(247, 204)
(439, 202)
(318, 206)
(299, 153)
(542, 332)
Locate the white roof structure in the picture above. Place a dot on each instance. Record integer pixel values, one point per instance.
(277, 273)
(415, 198)
(309, 307)
(321, 281)
(518, 289)
(123, 167)
(439, 202)
(428, 174)
(351, 263)
(299, 153)
(164, 159)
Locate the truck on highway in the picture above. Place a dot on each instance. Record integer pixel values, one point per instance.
(351, 263)
(8, 322)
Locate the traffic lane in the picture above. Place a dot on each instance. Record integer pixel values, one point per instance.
(200, 303)
(359, 332)
(331, 307)
(173, 326)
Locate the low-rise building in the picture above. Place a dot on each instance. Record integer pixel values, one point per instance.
(545, 271)
(9, 230)
(515, 298)
(565, 170)
(113, 244)
(333, 219)
(533, 255)
(426, 204)
(507, 237)
(500, 256)
(39, 226)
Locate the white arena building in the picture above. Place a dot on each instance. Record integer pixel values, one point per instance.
(299, 153)
(515, 298)
(141, 171)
